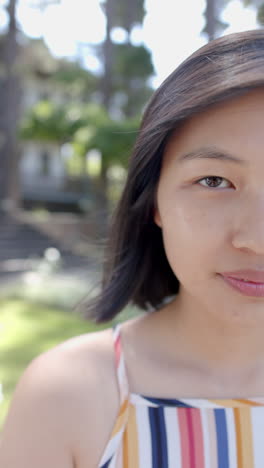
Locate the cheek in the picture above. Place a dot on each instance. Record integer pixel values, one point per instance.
(192, 235)
(186, 220)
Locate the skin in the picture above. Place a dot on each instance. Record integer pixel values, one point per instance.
(207, 343)
(208, 230)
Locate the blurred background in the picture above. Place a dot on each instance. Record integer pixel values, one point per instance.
(75, 76)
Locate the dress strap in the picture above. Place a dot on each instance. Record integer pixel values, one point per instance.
(120, 364)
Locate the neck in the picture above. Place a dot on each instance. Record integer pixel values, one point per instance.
(226, 346)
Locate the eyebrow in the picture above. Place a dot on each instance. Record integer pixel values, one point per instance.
(209, 152)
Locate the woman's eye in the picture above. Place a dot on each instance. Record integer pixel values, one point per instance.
(214, 182)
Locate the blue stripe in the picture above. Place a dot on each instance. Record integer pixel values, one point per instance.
(158, 438)
(166, 402)
(106, 465)
(221, 434)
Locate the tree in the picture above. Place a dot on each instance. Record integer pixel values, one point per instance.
(119, 75)
(60, 123)
(132, 68)
(259, 5)
(112, 138)
(127, 14)
(66, 80)
(9, 111)
(10, 100)
(107, 54)
(123, 14)
(214, 26)
(124, 83)
(122, 92)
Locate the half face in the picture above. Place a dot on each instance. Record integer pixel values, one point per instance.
(210, 205)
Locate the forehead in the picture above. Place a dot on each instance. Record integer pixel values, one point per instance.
(235, 124)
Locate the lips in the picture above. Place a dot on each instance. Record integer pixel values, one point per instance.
(254, 276)
(247, 282)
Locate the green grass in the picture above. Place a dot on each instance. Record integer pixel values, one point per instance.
(27, 330)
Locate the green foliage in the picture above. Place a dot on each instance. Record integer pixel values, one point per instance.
(132, 62)
(59, 123)
(113, 139)
(132, 66)
(94, 114)
(255, 3)
(259, 5)
(127, 68)
(129, 13)
(74, 79)
(49, 122)
(215, 23)
(135, 98)
(86, 127)
(126, 13)
(260, 15)
(90, 126)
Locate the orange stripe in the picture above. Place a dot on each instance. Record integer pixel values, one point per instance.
(131, 453)
(121, 418)
(230, 403)
(247, 442)
(234, 403)
(125, 450)
(249, 402)
(238, 438)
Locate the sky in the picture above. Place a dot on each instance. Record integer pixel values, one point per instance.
(170, 32)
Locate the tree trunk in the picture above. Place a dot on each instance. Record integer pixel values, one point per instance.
(108, 46)
(107, 91)
(9, 112)
(211, 19)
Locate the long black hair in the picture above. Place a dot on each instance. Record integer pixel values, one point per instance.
(136, 269)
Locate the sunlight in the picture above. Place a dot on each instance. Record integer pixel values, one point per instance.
(239, 17)
(170, 33)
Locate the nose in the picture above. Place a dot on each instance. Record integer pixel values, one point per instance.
(248, 233)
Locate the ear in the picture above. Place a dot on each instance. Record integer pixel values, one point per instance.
(157, 218)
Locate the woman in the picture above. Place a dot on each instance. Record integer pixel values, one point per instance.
(183, 385)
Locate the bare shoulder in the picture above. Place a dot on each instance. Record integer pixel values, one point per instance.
(64, 406)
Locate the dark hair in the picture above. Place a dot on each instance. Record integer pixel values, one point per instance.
(136, 268)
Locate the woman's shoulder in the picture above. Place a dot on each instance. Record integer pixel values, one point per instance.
(89, 362)
(69, 394)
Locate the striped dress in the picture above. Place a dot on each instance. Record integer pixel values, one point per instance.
(185, 433)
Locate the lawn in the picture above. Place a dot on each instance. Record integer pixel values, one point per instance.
(26, 330)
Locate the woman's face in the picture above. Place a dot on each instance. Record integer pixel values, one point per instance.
(210, 203)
